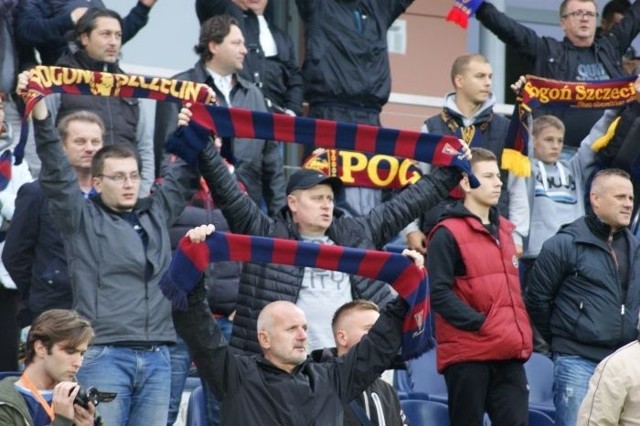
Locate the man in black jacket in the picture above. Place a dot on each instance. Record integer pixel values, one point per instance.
(581, 56)
(282, 386)
(98, 37)
(258, 163)
(584, 292)
(310, 216)
(346, 69)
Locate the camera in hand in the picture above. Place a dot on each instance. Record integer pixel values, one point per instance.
(94, 396)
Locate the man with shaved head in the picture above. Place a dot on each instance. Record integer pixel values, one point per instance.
(282, 386)
(584, 292)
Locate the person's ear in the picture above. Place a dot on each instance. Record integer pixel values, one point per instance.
(292, 203)
(464, 183)
(263, 339)
(341, 338)
(96, 182)
(40, 349)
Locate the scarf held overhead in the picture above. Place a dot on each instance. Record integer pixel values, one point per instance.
(235, 122)
(546, 95)
(191, 259)
(45, 80)
(440, 150)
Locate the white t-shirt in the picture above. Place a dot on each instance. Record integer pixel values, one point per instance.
(322, 293)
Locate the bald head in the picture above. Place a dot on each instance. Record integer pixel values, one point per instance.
(282, 334)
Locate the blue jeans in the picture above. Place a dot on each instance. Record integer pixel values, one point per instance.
(180, 363)
(571, 382)
(140, 378)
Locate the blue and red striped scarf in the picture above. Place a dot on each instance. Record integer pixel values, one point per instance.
(5, 169)
(546, 94)
(190, 260)
(462, 10)
(440, 150)
(234, 122)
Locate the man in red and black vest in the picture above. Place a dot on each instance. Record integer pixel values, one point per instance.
(482, 327)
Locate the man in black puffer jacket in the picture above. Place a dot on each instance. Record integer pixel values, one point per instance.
(310, 216)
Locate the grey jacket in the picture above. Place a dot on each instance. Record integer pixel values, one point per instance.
(114, 279)
(261, 284)
(258, 163)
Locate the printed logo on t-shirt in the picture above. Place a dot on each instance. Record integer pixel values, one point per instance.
(589, 72)
(555, 190)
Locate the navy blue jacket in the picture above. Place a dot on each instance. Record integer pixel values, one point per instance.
(575, 296)
(34, 256)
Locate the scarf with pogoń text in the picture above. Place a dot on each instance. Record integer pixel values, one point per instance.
(547, 94)
(364, 170)
(189, 141)
(235, 122)
(45, 80)
(190, 260)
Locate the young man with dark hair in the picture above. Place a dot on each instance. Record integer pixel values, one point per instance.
(118, 248)
(45, 393)
(98, 41)
(258, 163)
(482, 328)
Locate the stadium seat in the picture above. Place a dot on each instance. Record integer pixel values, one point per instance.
(426, 413)
(197, 411)
(539, 369)
(538, 418)
(424, 377)
(4, 374)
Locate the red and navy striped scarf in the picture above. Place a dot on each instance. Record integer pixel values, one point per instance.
(441, 150)
(234, 122)
(546, 94)
(190, 260)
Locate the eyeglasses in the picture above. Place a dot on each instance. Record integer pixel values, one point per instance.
(581, 14)
(121, 178)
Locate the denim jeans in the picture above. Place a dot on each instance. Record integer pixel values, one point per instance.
(571, 382)
(180, 363)
(140, 378)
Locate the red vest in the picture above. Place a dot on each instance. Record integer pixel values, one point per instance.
(491, 286)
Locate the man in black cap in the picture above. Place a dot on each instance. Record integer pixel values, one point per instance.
(310, 216)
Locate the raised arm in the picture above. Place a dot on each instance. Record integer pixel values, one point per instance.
(511, 32)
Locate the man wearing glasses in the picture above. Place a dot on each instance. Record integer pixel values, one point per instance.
(580, 56)
(118, 248)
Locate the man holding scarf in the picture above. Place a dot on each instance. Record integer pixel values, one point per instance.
(309, 216)
(580, 56)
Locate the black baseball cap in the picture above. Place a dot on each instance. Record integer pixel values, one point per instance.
(306, 178)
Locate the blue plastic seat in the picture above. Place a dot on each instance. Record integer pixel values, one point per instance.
(4, 374)
(420, 412)
(539, 369)
(538, 418)
(196, 410)
(422, 378)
